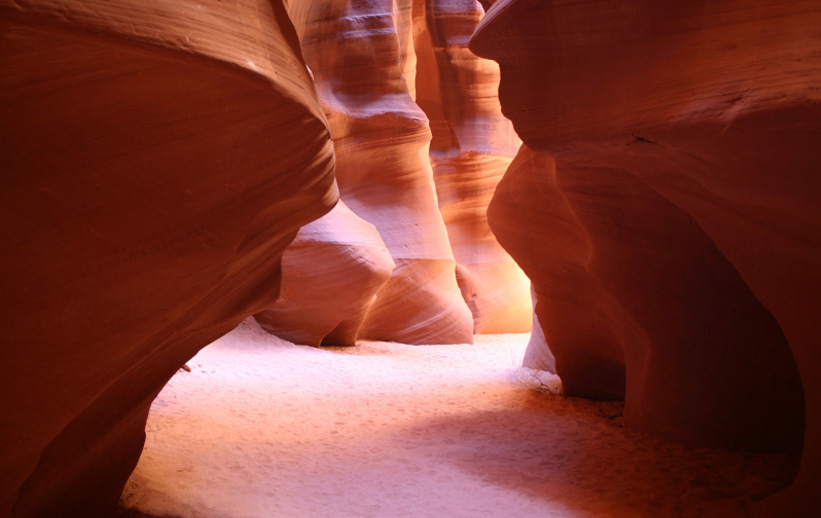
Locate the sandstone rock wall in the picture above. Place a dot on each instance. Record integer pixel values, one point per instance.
(361, 54)
(472, 146)
(364, 57)
(330, 276)
(649, 306)
(713, 107)
(158, 157)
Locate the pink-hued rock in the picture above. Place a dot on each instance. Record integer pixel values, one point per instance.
(157, 157)
(361, 55)
(714, 106)
(538, 354)
(330, 275)
(472, 146)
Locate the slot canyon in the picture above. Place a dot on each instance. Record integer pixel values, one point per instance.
(454, 258)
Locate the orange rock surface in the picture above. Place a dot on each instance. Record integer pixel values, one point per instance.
(713, 109)
(330, 276)
(361, 54)
(158, 157)
(471, 148)
(649, 302)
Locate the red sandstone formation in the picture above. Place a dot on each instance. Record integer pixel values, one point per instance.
(657, 114)
(330, 275)
(360, 54)
(157, 157)
(617, 288)
(471, 148)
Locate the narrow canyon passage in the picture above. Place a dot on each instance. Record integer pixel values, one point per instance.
(264, 428)
(637, 182)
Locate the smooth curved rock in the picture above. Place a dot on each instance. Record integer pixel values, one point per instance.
(158, 157)
(472, 146)
(576, 314)
(538, 354)
(630, 290)
(330, 276)
(714, 106)
(362, 58)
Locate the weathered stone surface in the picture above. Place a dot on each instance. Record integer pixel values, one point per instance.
(713, 106)
(471, 148)
(330, 276)
(361, 55)
(157, 157)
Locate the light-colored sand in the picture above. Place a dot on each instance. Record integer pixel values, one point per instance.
(264, 428)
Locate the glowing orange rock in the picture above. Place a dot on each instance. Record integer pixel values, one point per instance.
(471, 148)
(361, 54)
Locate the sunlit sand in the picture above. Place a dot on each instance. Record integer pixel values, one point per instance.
(264, 428)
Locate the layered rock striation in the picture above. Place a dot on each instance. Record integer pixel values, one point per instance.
(365, 57)
(682, 135)
(472, 146)
(361, 55)
(158, 157)
(331, 274)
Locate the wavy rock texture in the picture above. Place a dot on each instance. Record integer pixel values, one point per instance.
(330, 276)
(362, 58)
(714, 108)
(472, 146)
(158, 157)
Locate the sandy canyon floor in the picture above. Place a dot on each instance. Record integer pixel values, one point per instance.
(261, 427)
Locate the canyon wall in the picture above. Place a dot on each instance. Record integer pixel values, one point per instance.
(387, 73)
(361, 55)
(161, 156)
(472, 146)
(688, 132)
(637, 303)
(158, 157)
(537, 354)
(331, 274)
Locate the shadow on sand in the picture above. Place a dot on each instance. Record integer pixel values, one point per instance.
(573, 452)
(123, 512)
